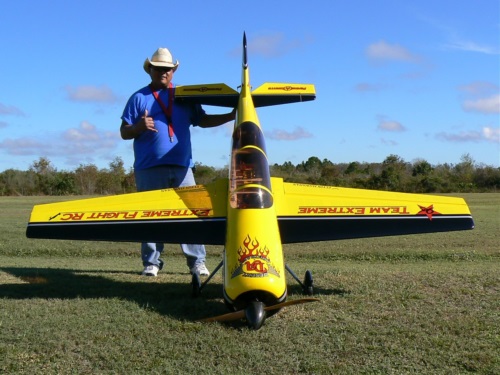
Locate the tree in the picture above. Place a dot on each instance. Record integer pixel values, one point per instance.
(15, 182)
(352, 168)
(42, 167)
(112, 180)
(330, 174)
(45, 175)
(313, 164)
(421, 168)
(393, 175)
(312, 167)
(287, 171)
(204, 174)
(63, 183)
(86, 179)
(464, 172)
(487, 178)
(423, 180)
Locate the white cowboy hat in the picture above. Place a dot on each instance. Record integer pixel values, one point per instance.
(162, 57)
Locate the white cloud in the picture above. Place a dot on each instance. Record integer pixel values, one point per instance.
(492, 134)
(86, 132)
(10, 110)
(457, 42)
(487, 134)
(24, 146)
(367, 87)
(101, 94)
(274, 44)
(383, 51)
(470, 136)
(468, 46)
(483, 105)
(283, 135)
(388, 142)
(389, 125)
(86, 141)
(479, 87)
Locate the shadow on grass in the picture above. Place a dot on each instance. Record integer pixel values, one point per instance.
(167, 298)
(172, 299)
(297, 289)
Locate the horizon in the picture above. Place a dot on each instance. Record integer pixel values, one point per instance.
(128, 169)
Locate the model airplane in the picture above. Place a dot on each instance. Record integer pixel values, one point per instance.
(250, 213)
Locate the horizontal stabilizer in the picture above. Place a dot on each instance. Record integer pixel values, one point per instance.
(216, 94)
(221, 95)
(282, 93)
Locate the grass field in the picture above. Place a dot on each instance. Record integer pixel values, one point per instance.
(423, 304)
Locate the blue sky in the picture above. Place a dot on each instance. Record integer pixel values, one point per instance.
(419, 79)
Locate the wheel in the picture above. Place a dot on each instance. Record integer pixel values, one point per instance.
(196, 284)
(255, 314)
(308, 283)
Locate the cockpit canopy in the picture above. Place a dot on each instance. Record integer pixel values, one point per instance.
(250, 179)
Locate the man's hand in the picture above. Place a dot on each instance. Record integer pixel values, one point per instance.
(147, 123)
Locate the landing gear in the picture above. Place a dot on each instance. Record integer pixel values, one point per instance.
(307, 285)
(196, 284)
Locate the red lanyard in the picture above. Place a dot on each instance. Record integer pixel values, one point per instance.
(167, 110)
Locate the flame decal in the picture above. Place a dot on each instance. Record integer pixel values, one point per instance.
(254, 260)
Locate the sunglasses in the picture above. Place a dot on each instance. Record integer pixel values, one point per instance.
(161, 69)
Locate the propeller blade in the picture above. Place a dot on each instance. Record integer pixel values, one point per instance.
(240, 314)
(290, 303)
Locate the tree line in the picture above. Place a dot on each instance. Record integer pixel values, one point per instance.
(393, 174)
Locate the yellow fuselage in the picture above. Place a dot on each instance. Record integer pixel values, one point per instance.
(253, 265)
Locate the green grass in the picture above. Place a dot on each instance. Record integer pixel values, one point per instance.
(397, 305)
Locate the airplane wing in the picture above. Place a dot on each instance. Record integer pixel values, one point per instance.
(308, 213)
(195, 214)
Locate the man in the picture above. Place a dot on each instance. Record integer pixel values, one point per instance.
(162, 146)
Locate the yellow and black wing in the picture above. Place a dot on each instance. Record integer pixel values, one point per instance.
(198, 214)
(195, 214)
(308, 213)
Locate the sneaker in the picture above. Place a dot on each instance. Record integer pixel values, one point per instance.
(151, 270)
(200, 269)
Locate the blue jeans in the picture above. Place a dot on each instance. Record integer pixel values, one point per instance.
(162, 177)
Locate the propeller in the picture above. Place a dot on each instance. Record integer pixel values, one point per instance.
(255, 312)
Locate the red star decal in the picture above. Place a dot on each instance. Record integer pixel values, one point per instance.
(429, 211)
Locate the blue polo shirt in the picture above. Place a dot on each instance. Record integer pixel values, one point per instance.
(155, 148)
